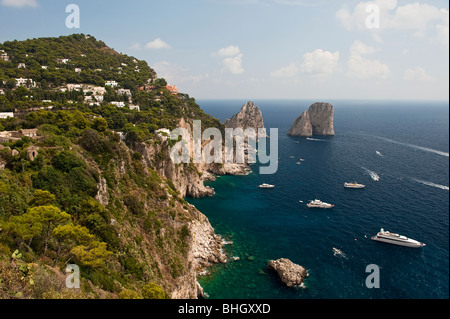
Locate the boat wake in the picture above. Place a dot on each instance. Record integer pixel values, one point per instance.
(315, 139)
(417, 147)
(431, 184)
(372, 174)
(379, 154)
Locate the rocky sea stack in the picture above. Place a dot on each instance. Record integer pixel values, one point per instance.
(290, 274)
(317, 120)
(250, 116)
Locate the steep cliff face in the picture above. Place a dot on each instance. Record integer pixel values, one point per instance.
(250, 116)
(317, 120)
(188, 178)
(302, 126)
(176, 237)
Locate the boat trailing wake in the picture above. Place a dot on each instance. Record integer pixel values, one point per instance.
(339, 253)
(417, 147)
(315, 139)
(431, 184)
(372, 174)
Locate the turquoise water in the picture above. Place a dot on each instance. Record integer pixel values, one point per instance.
(411, 198)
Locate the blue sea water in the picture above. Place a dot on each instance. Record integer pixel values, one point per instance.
(405, 143)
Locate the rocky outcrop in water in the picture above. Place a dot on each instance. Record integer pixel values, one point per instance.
(250, 116)
(290, 274)
(317, 120)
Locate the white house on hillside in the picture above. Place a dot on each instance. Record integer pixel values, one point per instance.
(5, 115)
(118, 104)
(111, 83)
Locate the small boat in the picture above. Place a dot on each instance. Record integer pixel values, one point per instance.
(264, 185)
(338, 252)
(298, 163)
(354, 185)
(319, 204)
(396, 239)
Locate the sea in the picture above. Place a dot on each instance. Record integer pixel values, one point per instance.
(398, 149)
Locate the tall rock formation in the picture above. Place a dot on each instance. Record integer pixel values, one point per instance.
(318, 120)
(250, 116)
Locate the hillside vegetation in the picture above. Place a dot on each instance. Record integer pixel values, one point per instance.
(86, 196)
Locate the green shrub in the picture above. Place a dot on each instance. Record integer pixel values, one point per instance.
(128, 294)
(153, 291)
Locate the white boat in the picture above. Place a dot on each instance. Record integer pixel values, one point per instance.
(264, 185)
(354, 185)
(298, 163)
(319, 204)
(396, 239)
(338, 252)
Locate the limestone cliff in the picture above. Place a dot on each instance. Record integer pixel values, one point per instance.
(250, 116)
(189, 178)
(317, 120)
(302, 126)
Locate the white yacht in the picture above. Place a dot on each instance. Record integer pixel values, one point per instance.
(319, 204)
(354, 185)
(264, 185)
(396, 239)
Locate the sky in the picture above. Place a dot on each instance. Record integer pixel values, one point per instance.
(264, 49)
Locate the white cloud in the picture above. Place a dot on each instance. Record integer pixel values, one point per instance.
(417, 74)
(288, 71)
(19, 3)
(157, 44)
(442, 30)
(417, 18)
(359, 48)
(229, 51)
(234, 64)
(232, 59)
(320, 63)
(363, 68)
(176, 74)
(135, 46)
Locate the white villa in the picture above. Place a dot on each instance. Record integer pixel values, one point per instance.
(5, 115)
(4, 56)
(64, 61)
(111, 83)
(118, 104)
(72, 87)
(25, 82)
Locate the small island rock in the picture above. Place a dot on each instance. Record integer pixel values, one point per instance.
(317, 120)
(290, 274)
(250, 116)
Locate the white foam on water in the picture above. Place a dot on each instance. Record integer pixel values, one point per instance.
(431, 184)
(417, 147)
(372, 174)
(315, 139)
